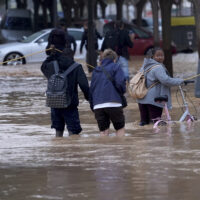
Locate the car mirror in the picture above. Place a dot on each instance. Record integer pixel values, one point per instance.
(24, 37)
(40, 41)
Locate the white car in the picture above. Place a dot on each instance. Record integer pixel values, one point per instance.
(33, 48)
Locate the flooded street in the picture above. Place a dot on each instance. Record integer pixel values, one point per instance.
(144, 164)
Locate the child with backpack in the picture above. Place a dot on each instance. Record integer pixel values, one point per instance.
(107, 86)
(151, 111)
(64, 76)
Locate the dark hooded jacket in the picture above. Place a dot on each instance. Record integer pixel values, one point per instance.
(102, 90)
(75, 78)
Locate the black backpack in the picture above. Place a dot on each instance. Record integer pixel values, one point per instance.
(57, 94)
(112, 40)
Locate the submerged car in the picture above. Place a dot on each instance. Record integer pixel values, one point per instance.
(32, 48)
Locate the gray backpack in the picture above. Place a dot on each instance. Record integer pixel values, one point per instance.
(57, 94)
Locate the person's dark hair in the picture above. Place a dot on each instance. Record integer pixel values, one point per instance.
(61, 23)
(120, 24)
(151, 52)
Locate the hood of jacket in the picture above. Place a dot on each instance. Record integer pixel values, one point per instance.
(64, 62)
(149, 62)
(105, 62)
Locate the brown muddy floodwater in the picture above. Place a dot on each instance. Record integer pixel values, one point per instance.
(34, 165)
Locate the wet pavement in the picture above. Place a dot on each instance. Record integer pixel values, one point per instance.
(144, 164)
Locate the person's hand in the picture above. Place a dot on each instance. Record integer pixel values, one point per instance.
(52, 46)
(188, 81)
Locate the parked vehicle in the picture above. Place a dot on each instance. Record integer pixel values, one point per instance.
(36, 42)
(143, 39)
(147, 24)
(184, 33)
(15, 24)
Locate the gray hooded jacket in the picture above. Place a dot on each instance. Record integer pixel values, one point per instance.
(159, 73)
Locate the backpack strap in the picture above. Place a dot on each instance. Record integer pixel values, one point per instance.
(70, 68)
(56, 66)
(153, 84)
(150, 69)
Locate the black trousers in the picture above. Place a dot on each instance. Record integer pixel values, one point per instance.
(149, 112)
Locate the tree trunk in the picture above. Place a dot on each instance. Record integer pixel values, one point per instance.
(139, 7)
(36, 4)
(81, 7)
(196, 4)
(197, 21)
(44, 12)
(76, 11)
(103, 8)
(67, 7)
(119, 4)
(155, 7)
(91, 34)
(95, 9)
(165, 6)
(21, 4)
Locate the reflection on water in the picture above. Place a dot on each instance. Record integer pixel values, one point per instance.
(142, 165)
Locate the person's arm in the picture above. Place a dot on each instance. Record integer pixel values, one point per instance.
(162, 76)
(129, 43)
(98, 35)
(119, 79)
(83, 82)
(74, 45)
(103, 46)
(83, 39)
(91, 92)
(47, 67)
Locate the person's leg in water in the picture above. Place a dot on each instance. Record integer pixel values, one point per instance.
(104, 133)
(144, 114)
(123, 62)
(103, 121)
(71, 118)
(57, 121)
(155, 112)
(118, 119)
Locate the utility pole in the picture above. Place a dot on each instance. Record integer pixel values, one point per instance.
(91, 30)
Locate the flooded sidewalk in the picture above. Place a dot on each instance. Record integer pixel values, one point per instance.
(143, 164)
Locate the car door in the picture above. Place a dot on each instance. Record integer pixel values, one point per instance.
(38, 48)
(142, 42)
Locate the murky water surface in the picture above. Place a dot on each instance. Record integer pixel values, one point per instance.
(142, 165)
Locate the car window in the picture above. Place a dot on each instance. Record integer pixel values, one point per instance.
(144, 23)
(45, 38)
(34, 36)
(140, 32)
(76, 34)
